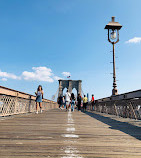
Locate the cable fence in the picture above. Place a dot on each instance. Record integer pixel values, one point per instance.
(15, 102)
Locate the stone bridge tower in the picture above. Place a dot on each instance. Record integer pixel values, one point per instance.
(69, 84)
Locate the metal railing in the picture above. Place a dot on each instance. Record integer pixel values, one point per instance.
(15, 102)
(122, 108)
(126, 105)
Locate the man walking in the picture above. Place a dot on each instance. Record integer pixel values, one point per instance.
(79, 102)
(92, 103)
(85, 100)
(60, 101)
(67, 100)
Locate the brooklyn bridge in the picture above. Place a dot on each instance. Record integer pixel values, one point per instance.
(64, 46)
(112, 129)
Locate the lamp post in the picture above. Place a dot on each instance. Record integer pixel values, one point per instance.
(113, 37)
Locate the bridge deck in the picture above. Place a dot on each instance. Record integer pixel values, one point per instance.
(61, 134)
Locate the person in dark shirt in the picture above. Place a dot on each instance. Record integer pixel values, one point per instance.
(60, 101)
(72, 101)
(79, 102)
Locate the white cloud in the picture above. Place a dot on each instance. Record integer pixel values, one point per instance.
(57, 78)
(39, 74)
(4, 79)
(134, 40)
(9, 75)
(66, 73)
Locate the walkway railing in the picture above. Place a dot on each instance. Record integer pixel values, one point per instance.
(125, 105)
(15, 102)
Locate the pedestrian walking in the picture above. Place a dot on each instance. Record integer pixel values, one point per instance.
(39, 96)
(67, 100)
(64, 103)
(79, 102)
(72, 101)
(92, 103)
(85, 101)
(60, 101)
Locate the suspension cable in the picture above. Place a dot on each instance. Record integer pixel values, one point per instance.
(54, 96)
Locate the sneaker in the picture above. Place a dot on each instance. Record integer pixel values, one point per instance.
(36, 112)
(41, 111)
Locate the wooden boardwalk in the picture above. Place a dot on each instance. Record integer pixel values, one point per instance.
(61, 134)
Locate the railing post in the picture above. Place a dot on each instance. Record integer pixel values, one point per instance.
(115, 109)
(106, 108)
(16, 103)
(133, 110)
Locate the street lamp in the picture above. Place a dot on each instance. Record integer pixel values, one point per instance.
(113, 37)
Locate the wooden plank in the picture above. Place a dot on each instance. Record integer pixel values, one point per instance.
(60, 134)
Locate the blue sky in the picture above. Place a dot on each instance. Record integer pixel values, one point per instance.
(40, 39)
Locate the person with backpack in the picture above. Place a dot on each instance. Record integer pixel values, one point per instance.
(39, 96)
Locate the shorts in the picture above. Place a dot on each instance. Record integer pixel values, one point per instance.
(67, 103)
(73, 102)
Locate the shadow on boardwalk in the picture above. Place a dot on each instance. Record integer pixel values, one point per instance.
(125, 127)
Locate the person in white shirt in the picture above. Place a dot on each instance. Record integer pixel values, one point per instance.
(64, 102)
(67, 100)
